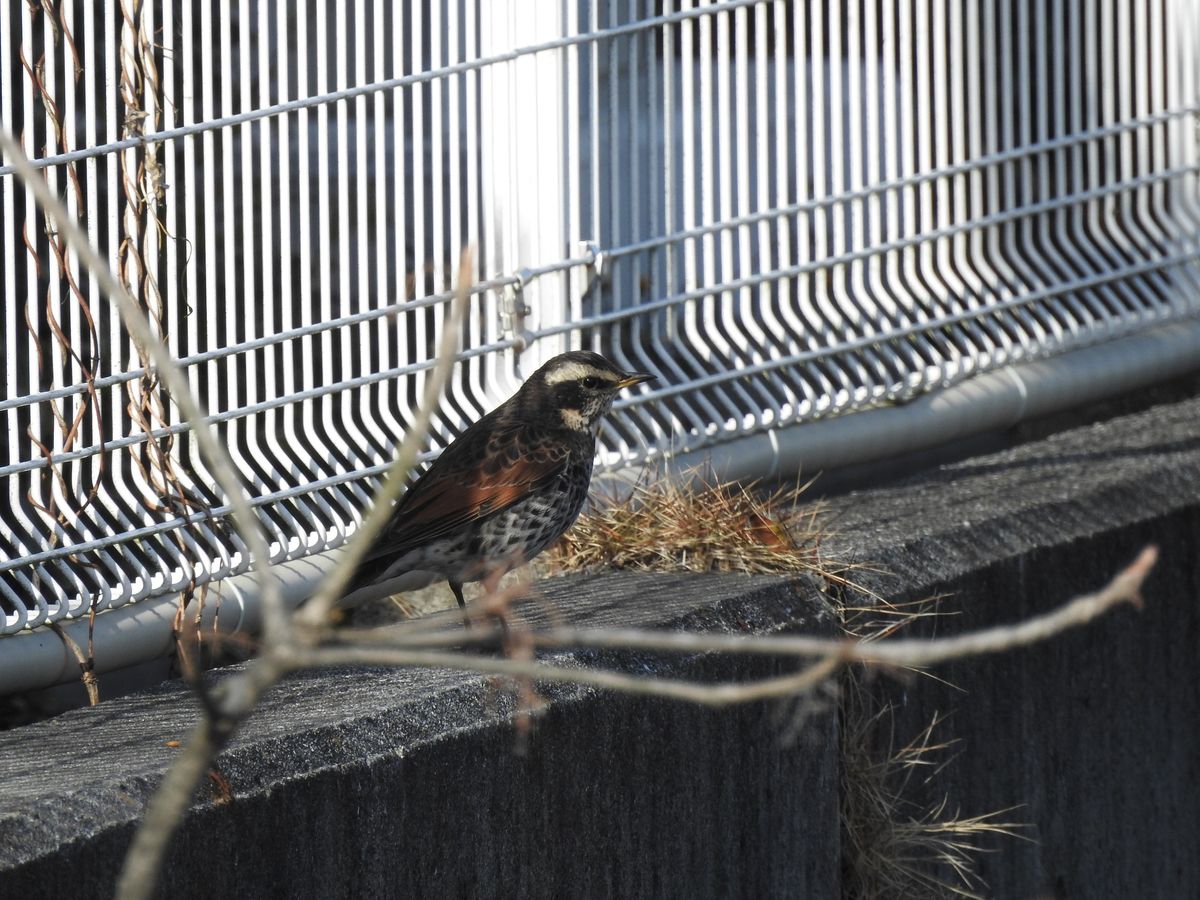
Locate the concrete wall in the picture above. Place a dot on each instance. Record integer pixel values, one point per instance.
(1097, 733)
(381, 783)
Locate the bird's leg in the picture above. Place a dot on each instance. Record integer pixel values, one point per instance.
(456, 586)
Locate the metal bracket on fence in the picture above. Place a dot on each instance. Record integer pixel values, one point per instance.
(514, 309)
(597, 263)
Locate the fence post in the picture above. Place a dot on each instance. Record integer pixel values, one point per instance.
(524, 171)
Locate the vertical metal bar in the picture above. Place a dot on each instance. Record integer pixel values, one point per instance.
(403, 187)
(301, 361)
(291, 128)
(1071, 173)
(436, 142)
(188, 182)
(707, 174)
(618, 293)
(995, 279)
(21, 287)
(694, 355)
(419, 135)
(824, 71)
(274, 167)
(722, 171)
(1147, 78)
(740, 311)
(945, 50)
(846, 112)
(792, 163)
(9, 453)
(888, 312)
(387, 290)
(30, 302)
(772, 167)
(120, 346)
(1040, 126)
(671, 174)
(929, 211)
(489, 93)
(1017, 248)
(755, 244)
(1183, 88)
(193, 560)
(709, 337)
(364, 245)
(252, 249)
(676, 140)
(657, 113)
(455, 238)
(346, 426)
(483, 322)
(574, 116)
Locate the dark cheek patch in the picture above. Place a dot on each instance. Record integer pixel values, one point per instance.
(568, 396)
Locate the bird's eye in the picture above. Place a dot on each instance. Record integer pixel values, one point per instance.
(591, 382)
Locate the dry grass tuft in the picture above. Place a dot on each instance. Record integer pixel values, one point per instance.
(705, 527)
(892, 846)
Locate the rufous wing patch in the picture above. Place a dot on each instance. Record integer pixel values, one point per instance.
(437, 506)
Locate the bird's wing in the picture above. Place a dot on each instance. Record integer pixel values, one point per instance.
(476, 477)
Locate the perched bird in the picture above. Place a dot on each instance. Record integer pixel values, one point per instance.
(504, 490)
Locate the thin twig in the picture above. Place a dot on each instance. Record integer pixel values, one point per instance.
(164, 812)
(86, 668)
(140, 869)
(725, 694)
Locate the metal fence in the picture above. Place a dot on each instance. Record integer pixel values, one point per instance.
(786, 209)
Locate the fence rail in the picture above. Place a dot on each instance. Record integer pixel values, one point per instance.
(787, 210)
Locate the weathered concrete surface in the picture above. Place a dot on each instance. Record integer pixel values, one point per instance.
(1096, 735)
(377, 783)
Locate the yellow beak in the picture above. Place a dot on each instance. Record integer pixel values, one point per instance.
(634, 378)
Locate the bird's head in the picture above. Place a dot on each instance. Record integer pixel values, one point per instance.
(580, 387)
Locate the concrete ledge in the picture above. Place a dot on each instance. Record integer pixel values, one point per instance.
(1095, 735)
(382, 783)
(378, 783)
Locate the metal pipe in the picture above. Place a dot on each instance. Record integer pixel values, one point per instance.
(991, 401)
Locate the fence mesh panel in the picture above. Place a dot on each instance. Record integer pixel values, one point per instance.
(786, 209)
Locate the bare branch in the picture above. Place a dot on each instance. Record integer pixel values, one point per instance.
(1124, 588)
(280, 654)
(144, 858)
(217, 457)
(705, 694)
(239, 696)
(910, 652)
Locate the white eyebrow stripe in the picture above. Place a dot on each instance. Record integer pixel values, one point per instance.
(575, 371)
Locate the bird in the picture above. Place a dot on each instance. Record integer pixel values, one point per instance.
(504, 490)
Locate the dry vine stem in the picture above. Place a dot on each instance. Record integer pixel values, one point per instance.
(215, 454)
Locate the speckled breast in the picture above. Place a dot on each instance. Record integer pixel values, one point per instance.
(526, 529)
